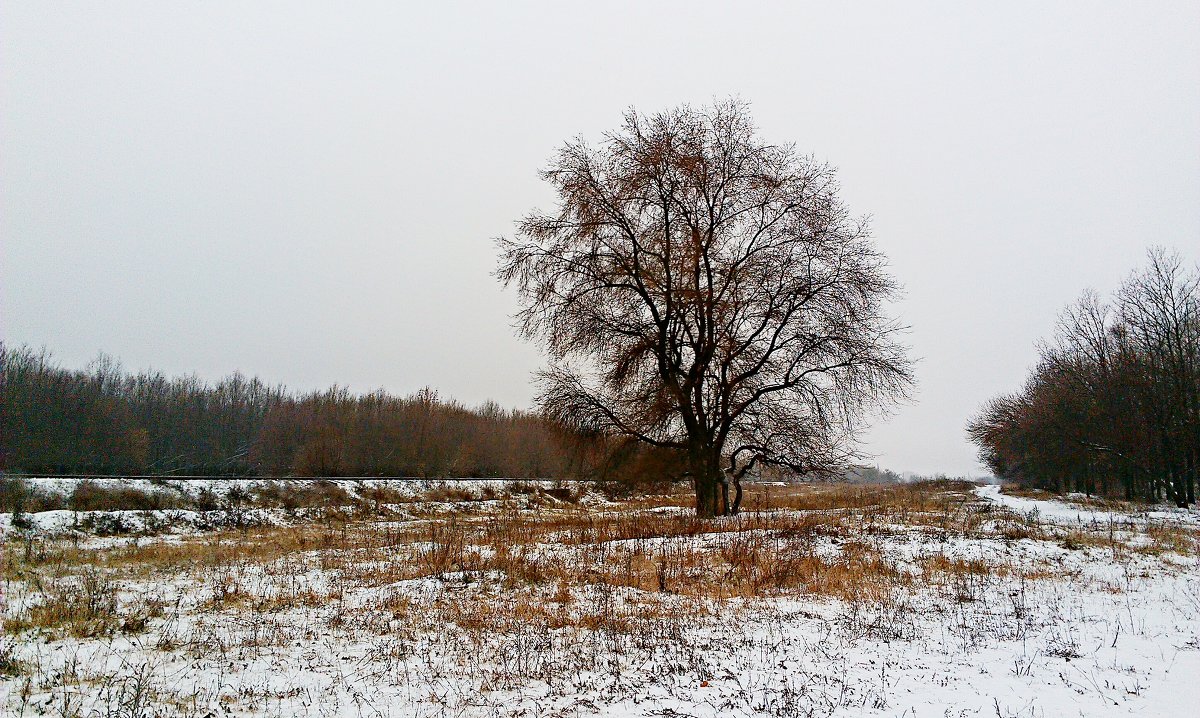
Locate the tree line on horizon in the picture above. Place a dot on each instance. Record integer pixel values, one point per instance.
(1113, 406)
(105, 420)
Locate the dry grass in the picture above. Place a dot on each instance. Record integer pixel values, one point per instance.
(1166, 537)
(641, 547)
(86, 605)
(509, 580)
(806, 540)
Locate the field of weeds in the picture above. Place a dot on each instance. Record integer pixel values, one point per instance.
(542, 599)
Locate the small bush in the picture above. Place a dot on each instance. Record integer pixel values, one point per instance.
(10, 667)
(449, 494)
(207, 500)
(106, 524)
(293, 495)
(562, 493)
(90, 496)
(14, 494)
(18, 496)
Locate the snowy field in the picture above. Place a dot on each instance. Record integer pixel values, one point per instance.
(191, 505)
(920, 600)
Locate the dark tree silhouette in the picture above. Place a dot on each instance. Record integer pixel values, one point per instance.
(705, 292)
(107, 421)
(1113, 407)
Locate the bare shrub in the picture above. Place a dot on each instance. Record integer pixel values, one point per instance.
(10, 666)
(18, 496)
(448, 492)
(91, 496)
(83, 606)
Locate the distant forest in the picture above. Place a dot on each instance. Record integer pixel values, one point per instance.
(1113, 406)
(108, 421)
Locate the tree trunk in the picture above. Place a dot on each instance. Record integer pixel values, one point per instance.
(707, 478)
(1191, 477)
(1178, 486)
(737, 496)
(706, 495)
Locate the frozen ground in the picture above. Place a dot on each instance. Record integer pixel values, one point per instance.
(209, 504)
(930, 601)
(353, 486)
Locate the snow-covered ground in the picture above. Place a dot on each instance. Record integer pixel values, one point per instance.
(1068, 513)
(190, 489)
(187, 497)
(995, 606)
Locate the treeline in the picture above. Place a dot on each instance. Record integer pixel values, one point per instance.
(1113, 407)
(105, 420)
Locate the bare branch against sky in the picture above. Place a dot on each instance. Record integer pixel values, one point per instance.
(309, 192)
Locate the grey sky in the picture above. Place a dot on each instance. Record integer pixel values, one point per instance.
(308, 192)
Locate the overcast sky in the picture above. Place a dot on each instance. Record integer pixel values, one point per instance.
(309, 192)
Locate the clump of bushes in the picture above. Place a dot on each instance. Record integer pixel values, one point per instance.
(90, 496)
(18, 496)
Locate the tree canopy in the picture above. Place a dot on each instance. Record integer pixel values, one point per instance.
(703, 291)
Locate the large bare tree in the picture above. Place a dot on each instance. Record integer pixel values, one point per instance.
(702, 290)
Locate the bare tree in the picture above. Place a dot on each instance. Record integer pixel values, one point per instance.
(1160, 311)
(703, 291)
(1113, 407)
(55, 420)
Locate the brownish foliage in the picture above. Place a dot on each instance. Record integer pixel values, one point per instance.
(707, 294)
